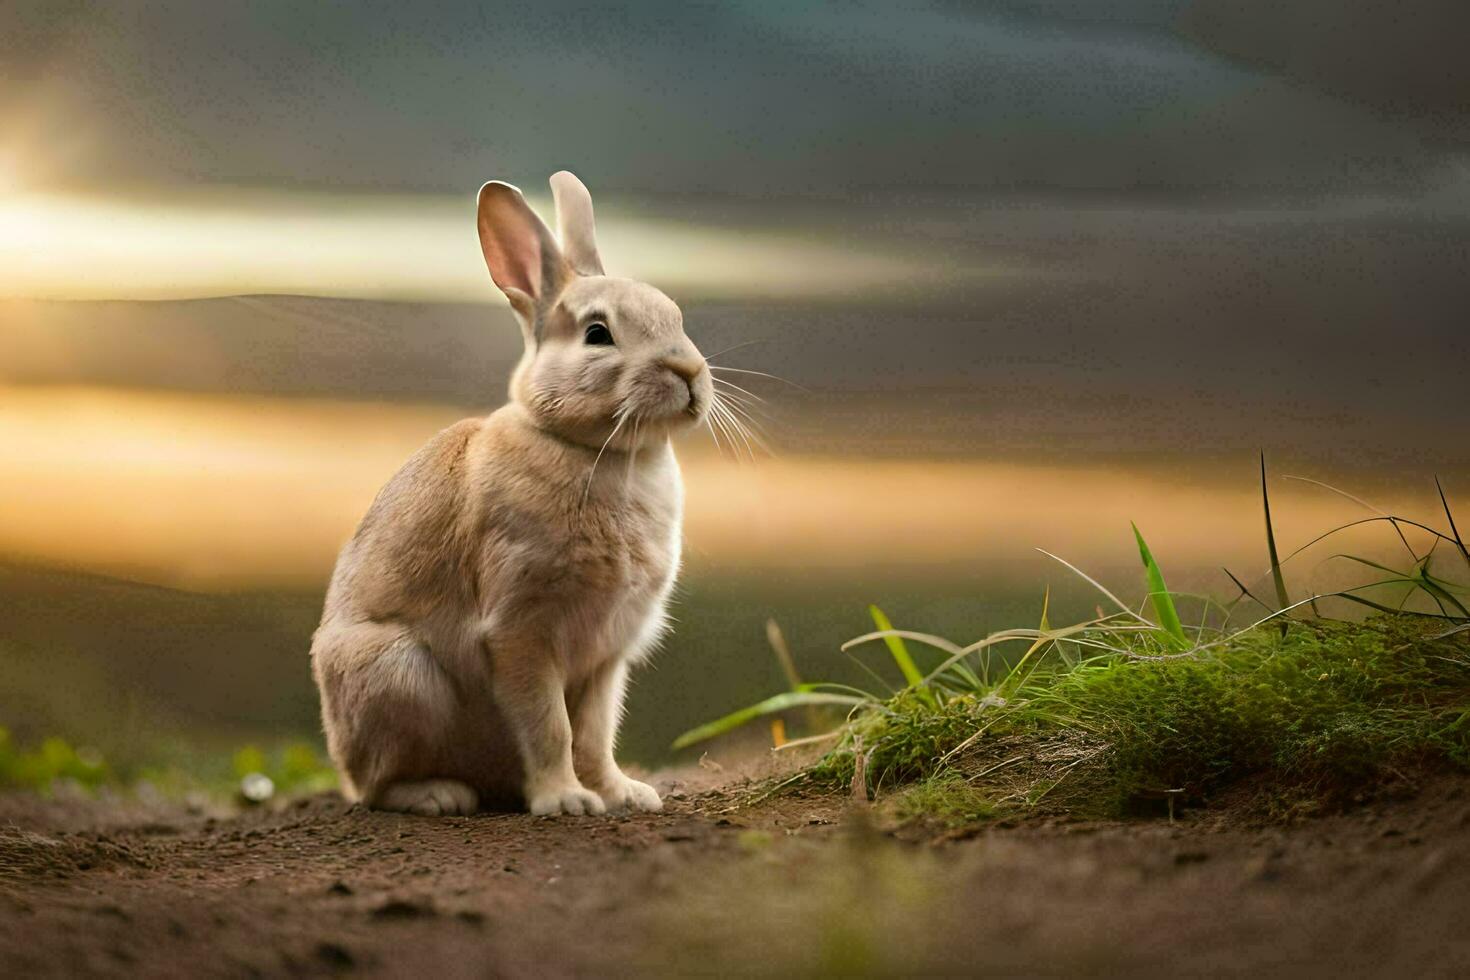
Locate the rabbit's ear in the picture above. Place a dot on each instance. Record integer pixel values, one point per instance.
(574, 222)
(519, 249)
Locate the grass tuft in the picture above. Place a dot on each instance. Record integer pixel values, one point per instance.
(294, 767)
(1318, 712)
(52, 761)
(1095, 716)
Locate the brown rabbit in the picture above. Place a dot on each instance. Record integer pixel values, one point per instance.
(480, 624)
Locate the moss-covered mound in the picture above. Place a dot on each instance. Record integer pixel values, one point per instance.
(1315, 713)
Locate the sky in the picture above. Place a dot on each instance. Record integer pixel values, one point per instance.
(1018, 198)
(753, 99)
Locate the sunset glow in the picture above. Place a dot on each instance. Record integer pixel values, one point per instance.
(222, 492)
(407, 247)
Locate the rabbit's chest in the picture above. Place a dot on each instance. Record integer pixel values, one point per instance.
(617, 582)
(593, 583)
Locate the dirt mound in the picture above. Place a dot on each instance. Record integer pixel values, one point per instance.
(29, 856)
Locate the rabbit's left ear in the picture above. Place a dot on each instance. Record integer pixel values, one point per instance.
(520, 252)
(574, 223)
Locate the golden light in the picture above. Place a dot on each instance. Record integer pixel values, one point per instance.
(10, 179)
(227, 492)
(223, 241)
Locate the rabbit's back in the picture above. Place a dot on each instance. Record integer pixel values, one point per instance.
(410, 549)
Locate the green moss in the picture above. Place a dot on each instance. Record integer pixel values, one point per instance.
(1329, 703)
(948, 798)
(901, 739)
(1321, 710)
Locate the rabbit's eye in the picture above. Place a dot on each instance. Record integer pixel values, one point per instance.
(598, 335)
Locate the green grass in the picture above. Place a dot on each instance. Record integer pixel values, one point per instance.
(39, 767)
(947, 798)
(1096, 716)
(1317, 712)
(1160, 597)
(290, 767)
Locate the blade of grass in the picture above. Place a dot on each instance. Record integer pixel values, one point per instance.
(1368, 563)
(1393, 521)
(1159, 593)
(1451, 518)
(883, 683)
(1014, 678)
(1244, 592)
(1093, 582)
(796, 743)
(780, 702)
(1396, 521)
(777, 641)
(1024, 635)
(928, 639)
(1378, 605)
(1438, 592)
(1417, 579)
(1045, 635)
(1283, 599)
(900, 654)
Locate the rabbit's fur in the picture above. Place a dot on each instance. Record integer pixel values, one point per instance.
(480, 624)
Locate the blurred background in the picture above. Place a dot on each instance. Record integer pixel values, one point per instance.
(1033, 269)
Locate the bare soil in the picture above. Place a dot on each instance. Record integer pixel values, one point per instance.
(724, 883)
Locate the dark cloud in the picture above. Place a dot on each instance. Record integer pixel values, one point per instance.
(1406, 60)
(752, 99)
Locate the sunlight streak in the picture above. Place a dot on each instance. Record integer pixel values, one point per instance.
(231, 491)
(191, 244)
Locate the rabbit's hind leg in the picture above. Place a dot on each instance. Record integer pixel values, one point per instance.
(429, 797)
(390, 714)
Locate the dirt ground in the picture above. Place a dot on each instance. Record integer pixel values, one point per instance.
(797, 884)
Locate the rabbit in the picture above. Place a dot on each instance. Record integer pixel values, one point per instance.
(480, 625)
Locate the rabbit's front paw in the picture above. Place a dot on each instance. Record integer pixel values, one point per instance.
(621, 793)
(571, 799)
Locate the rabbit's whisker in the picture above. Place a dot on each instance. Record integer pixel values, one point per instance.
(723, 428)
(748, 433)
(754, 435)
(759, 374)
(621, 417)
(745, 435)
(743, 391)
(741, 416)
(720, 414)
(743, 398)
(720, 353)
(632, 452)
(709, 423)
(729, 419)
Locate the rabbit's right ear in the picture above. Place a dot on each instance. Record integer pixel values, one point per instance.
(520, 252)
(575, 222)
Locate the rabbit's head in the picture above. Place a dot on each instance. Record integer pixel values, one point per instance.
(606, 361)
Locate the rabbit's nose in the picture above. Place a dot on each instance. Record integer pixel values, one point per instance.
(683, 363)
